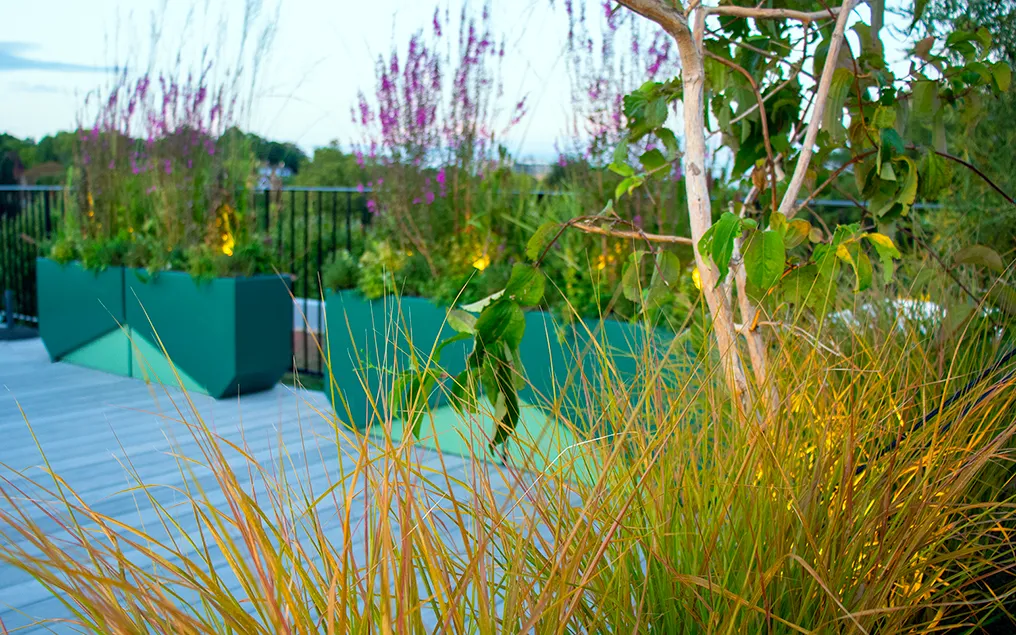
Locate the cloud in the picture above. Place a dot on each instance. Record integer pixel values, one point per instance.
(26, 87)
(12, 60)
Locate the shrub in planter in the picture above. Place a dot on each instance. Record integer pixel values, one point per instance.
(162, 183)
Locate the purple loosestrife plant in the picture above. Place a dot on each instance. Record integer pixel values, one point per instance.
(433, 126)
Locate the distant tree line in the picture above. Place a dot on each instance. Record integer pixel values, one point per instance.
(47, 161)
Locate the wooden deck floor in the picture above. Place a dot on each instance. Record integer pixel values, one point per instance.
(89, 422)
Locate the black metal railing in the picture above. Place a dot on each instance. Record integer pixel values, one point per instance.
(27, 218)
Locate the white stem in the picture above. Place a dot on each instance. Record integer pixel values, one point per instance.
(788, 204)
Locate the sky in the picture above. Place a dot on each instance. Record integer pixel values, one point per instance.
(322, 54)
(52, 52)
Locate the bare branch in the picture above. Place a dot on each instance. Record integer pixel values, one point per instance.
(780, 14)
(760, 103)
(801, 170)
(634, 235)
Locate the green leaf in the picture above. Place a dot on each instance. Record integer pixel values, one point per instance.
(887, 252)
(652, 160)
(778, 223)
(925, 93)
(461, 321)
(667, 270)
(980, 256)
(919, 6)
(1001, 77)
(621, 169)
(826, 261)
(726, 229)
(666, 135)
(539, 241)
(1003, 297)
(765, 259)
(749, 223)
(797, 232)
(480, 305)
(458, 337)
(936, 175)
(908, 192)
(631, 277)
(525, 285)
(502, 321)
(884, 117)
(508, 401)
(832, 119)
(627, 185)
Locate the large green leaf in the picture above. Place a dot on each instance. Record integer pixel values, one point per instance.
(981, 256)
(832, 119)
(507, 411)
(502, 321)
(539, 241)
(461, 321)
(908, 192)
(525, 285)
(887, 252)
(631, 279)
(923, 102)
(1001, 76)
(764, 259)
(797, 232)
(652, 160)
(726, 229)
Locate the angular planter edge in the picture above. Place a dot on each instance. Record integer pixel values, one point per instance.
(81, 314)
(225, 337)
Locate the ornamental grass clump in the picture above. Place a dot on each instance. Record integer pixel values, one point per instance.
(878, 499)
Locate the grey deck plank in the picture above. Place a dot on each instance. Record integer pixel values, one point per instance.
(88, 423)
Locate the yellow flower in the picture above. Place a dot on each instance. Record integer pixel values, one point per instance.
(482, 262)
(601, 263)
(696, 277)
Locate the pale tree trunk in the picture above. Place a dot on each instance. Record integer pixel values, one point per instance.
(699, 207)
(717, 292)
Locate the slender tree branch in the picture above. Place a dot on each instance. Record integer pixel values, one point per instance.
(634, 235)
(781, 14)
(973, 169)
(821, 93)
(762, 115)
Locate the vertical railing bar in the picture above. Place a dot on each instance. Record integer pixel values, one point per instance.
(306, 255)
(320, 278)
(278, 210)
(349, 222)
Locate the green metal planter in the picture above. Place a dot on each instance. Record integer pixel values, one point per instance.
(81, 316)
(369, 342)
(225, 337)
(367, 347)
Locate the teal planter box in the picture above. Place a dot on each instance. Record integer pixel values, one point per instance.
(367, 347)
(225, 337)
(80, 316)
(369, 342)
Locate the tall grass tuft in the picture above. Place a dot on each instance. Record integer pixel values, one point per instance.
(878, 499)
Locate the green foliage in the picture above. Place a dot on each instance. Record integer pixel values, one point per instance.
(380, 266)
(341, 271)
